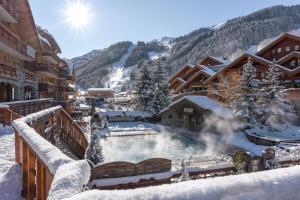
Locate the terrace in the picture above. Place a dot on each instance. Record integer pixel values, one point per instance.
(51, 147)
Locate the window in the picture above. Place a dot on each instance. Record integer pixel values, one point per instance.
(293, 63)
(287, 49)
(262, 75)
(273, 51)
(170, 116)
(279, 50)
(297, 47)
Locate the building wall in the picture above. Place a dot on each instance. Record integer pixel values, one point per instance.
(185, 115)
(279, 50)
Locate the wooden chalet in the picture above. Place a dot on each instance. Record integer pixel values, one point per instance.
(283, 51)
(190, 112)
(30, 67)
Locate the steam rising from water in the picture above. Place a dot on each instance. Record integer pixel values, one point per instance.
(169, 143)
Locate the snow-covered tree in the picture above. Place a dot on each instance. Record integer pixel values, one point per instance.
(160, 91)
(278, 109)
(245, 106)
(144, 87)
(94, 151)
(184, 173)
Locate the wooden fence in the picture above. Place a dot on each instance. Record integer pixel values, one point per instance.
(125, 169)
(37, 177)
(31, 106)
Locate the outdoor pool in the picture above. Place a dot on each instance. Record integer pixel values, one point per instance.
(163, 144)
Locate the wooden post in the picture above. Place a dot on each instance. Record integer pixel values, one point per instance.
(25, 170)
(17, 147)
(31, 175)
(40, 181)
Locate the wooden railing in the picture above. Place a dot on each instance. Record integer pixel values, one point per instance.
(8, 71)
(31, 106)
(37, 166)
(8, 39)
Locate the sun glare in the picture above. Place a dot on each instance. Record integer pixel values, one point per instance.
(78, 14)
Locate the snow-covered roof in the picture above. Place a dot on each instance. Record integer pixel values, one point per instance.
(126, 113)
(205, 103)
(99, 90)
(208, 70)
(44, 40)
(222, 60)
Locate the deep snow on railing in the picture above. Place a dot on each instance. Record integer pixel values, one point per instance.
(47, 172)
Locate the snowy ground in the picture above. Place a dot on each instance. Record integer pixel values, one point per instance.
(10, 173)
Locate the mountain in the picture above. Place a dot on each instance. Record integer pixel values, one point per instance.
(227, 39)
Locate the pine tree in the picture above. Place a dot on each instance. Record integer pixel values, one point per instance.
(245, 106)
(278, 109)
(161, 90)
(144, 87)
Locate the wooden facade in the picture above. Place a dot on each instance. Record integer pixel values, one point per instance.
(283, 50)
(185, 114)
(29, 65)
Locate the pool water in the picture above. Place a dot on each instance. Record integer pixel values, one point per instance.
(161, 145)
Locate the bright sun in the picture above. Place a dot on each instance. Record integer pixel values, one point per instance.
(78, 14)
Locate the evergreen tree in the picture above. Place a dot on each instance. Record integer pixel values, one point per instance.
(161, 90)
(278, 109)
(245, 106)
(144, 87)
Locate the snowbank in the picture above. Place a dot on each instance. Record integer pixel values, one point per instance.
(69, 180)
(274, 184)
(11, 183)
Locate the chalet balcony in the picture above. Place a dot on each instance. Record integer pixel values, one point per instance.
(66, 89)
(13, 46)
(8, 72)
(49, 54)
(47, 87)
(46, 69)
(8, 11)
(29, 77)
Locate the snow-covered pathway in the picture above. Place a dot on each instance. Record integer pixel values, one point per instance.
(10, 173)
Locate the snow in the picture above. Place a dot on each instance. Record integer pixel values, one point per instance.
(69, 180)
(11, 183)
(10, 173)
(218, 26)
(116, 78)
(275, 184)
(154, 55)
(45, 40)
(285, 133)
(240, 140)
(205, 103)
(49, 154)
(207, 70)
(126, 113)
(99, 89)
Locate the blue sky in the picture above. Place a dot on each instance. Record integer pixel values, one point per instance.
(134, 20)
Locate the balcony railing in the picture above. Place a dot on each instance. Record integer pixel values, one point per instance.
(47, 87)
(8, 72)
(14, 43)
(11, 8)
(46, 68)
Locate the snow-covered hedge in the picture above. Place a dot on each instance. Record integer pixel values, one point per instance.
(274, 184)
